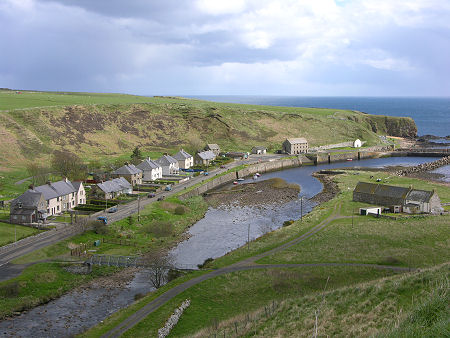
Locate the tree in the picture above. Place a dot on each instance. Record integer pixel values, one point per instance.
(39, 174)
(158, 263)
(136, 156)
(194, 143)
(68, 164)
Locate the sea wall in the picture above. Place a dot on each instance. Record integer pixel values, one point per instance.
(250, 170)
(424, 167)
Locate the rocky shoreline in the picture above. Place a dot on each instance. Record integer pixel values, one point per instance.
(271, 191)
(330, 187)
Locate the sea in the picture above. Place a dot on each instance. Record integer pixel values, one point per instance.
(432, 115)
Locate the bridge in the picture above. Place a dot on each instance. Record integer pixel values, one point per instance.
(131, 261)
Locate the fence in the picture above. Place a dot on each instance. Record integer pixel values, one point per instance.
(246, 325)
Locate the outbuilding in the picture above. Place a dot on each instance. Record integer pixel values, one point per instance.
(259, 150)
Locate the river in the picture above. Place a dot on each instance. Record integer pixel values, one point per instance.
(220, 231)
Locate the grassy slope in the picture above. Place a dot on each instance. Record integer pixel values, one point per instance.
(410, 305)
(420, 244)
(110, 125)
(9, 231)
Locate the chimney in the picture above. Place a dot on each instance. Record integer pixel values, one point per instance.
(166, 154)
(49, 182)
(31, 187)
(66, 179)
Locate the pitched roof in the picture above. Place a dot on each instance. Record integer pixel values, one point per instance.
(420, 195)
(56, 189)
(114, 185)
(29, 198)
(297, 140)
(127, 169)
(76, 185)
(206, 155)
(213, 146)
(166, 160)
(148, 164)
(382, 190)
(259, 148)
(182, 155)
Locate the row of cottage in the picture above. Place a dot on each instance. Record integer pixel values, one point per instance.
(38, 203)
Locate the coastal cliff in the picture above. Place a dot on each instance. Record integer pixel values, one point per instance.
(165, 124)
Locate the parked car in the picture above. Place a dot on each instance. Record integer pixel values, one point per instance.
(111, 210)
(151, 195)
(206, 173)
(223, 166)
(168, 188)
(160, 198)
(103, 219)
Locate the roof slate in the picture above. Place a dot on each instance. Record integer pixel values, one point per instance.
(297, 140)
(419, 195)
(182, 155)
(382, 190)
(148, 164)
(206, 155)
(56, 189)
(127, 169)
(166, 160)
(29, 198)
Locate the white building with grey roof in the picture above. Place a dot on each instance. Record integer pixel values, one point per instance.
(169, 165)
(151, 170)
(185, 160)
(58, 196)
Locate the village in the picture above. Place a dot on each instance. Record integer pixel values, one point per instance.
(104, 191)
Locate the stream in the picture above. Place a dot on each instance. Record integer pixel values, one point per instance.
(219, 232)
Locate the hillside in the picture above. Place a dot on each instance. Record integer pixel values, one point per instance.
(33, 124)
(414, 304)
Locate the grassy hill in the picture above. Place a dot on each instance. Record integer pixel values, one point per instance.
(33, 124)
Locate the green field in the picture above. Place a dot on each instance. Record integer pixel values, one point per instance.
(10, 232)
(407, 242)
(142, 236)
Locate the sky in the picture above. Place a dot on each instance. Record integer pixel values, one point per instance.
(227, 47)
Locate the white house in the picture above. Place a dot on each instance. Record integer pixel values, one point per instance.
(259, 150)
(80, 192)
(357, 143)
(61, 196)
(169, 165)
(151, 169)
(185, 160)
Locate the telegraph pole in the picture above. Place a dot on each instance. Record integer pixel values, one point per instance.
(301, 208)
(139, 205)
(248, 237)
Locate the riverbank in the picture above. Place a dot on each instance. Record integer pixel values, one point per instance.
(259, 193)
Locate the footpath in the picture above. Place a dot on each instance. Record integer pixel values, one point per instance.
(246, 264)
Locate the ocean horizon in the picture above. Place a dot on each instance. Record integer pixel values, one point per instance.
(431, 114)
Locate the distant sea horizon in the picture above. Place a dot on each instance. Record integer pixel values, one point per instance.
(431, 114)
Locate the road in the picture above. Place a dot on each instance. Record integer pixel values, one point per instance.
(246, 264)
(54, 236)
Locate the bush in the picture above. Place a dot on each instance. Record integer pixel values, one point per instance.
(99, 227)
(287, 223)
(180, 210)
(205, 263)
(159, 228)
(10, 290)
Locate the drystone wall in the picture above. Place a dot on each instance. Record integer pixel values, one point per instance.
(424, 167)
(250, 170)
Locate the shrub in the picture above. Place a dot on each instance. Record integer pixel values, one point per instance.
(138, 296)
(287, 223)
(99, 227)
(159, 228)
(180, 210)
(205, 263)
(10, 290)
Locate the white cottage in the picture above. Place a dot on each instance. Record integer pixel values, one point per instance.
(151, 170)
(169, 165)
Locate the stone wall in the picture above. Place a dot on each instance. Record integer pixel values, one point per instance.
(336, 145)
(424, 167)
(250, 170)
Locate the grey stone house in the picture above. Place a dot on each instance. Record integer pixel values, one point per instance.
(130, 173)
(204, 157)
(169, 165)
(112, 188)
(259, 150)
(398, 199)
(30, 207)
(214, 148)
(150, 170)
(295, 146)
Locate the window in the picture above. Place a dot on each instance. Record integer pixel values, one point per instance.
(57, 208)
